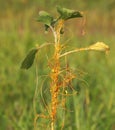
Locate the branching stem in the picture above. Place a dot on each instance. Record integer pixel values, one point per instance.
(54, 33)
(73, 51)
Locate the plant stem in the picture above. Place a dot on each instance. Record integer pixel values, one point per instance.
(73, 51)
(55, 69)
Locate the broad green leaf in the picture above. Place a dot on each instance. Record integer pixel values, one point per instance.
(45, 18)
(68, 14)
(29, 59)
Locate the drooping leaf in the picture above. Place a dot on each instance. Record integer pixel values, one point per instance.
(45, 18)
(29, 59)
(68, 14)
(99, 46)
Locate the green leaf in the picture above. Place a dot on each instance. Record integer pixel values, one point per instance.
(68, 14)
(46, 27)
(29, 59)
(45, 18)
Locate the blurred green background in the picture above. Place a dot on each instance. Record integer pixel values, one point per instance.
(94, 106)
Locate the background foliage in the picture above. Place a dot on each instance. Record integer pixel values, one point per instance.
(94, 106)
